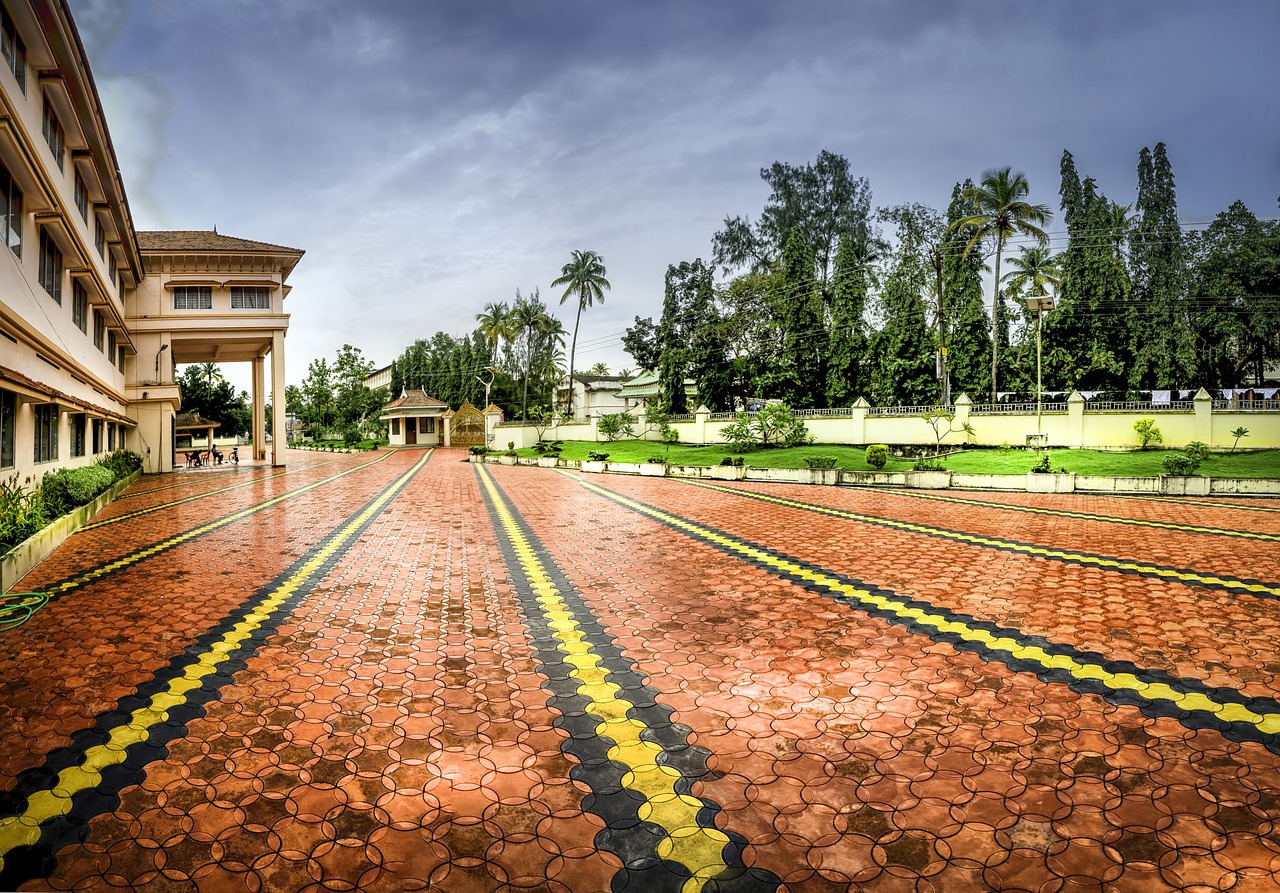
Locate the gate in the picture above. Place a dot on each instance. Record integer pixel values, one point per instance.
(467, 427)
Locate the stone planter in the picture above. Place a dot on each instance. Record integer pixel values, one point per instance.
(1184, 485)
(653, 469)
(548, 461)
(828, 477)
(506, 460)
(728, 472)
(1052, 482)
(593, 467)
(929, 480)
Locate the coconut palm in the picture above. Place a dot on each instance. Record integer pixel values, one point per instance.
(1122, 223)
(495, 324)
(1034, 267)
(529, 319)
(1001, 212)
(583, 277)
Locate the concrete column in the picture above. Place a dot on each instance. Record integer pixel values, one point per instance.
(259, 412)
(447, 432)
(963, 407)
(1075, 419)
(700, 418)
(858, 424)
(279, 436)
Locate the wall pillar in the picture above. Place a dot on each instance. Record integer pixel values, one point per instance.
(279, 436)
(1075, 419)
(858, 424)
(700, 418)
(1204, 416)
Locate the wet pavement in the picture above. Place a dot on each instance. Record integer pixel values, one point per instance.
(400, 671)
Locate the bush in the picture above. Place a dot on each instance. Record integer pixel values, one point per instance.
(733, 461)
(1148, 433)
(597, 456)
(930, 464)
(1197, 450)
(1180, 464)
(820, 461)
(877, 455)
(22, 513)
(120, 463)
(775, 425)
(619, 424)
(70, 488)
(657, 460)
(478, 450)
(549, 448)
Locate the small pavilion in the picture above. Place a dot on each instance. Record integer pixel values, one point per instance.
(188, 425)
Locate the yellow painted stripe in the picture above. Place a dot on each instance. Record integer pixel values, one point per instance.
(699, 849)
(1090, 516)
(1100, 561)
(1268, 723)
(134, 557)
(24, 829)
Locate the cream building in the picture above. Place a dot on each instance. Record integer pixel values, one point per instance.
(93, 314)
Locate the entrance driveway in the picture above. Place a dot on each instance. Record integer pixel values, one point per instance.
(403, 671)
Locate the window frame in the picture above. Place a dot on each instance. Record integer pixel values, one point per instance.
(202, 293)
(54, 134)
(11, 201)
(99, 331)
(13, 49)
(8, 419)
(45, 432)
(259, 297)
(79, 306)
(50, 272)
(79, 426)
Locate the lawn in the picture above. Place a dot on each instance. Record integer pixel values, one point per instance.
(1137, 463)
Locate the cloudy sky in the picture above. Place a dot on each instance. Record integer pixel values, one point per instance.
(434, 155)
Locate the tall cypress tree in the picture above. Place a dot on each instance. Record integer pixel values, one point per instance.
(800, 378)
(968, 326)
(905, 372)
(708, 351)
(673, 360)
(1163, 346)
(847, 361)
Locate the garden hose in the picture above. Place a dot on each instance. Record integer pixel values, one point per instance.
(16, 608)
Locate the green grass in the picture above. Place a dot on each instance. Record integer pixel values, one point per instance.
(1136, 463)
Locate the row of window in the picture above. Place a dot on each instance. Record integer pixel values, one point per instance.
(200, 297)
(101, 435)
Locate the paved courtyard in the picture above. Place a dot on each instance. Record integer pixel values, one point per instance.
(401, 671)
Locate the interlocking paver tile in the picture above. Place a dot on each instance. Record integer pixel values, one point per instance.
(402, 725)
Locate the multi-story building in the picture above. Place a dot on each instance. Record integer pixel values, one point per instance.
(94, 315)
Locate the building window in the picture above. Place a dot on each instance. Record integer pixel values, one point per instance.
(82, 197)
(13, 49)
(8, 411)
(99, 330)
(111, 346)
(46, 433)
(99, 238)
(79, 307)
(111, 436)
(78, 427)
(246, 297)
(395, 427)
(54, 135)
(97, 436)
(10, 212)
(120, 359)
(427, 426)
(50, 267)
(193, 297)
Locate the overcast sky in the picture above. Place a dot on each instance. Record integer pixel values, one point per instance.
(431, 156)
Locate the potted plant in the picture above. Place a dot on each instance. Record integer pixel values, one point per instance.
(1043, 479)
(596, 461)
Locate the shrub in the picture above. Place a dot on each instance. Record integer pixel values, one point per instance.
(1197, 450)
(120, 463)
(878, 455)
(929, 464)
(549, 448)
(1237, 434)
(775, 425)
(656, 460)
(618, 424)
(70, 488)
(1180, 464)
(820, 461)
(1148, 433)
(478, 450)
(733, 461)
(1042, 467)
(597, 456)
(22, 512)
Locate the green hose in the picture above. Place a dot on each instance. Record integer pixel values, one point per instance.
(16, 608)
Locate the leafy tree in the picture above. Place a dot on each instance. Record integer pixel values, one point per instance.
(905, 372)
(1163, 344)
(673, 360)
(356, 405)
(1001, 212)
(823, 202)
(708, 352)
(319, 410)
(539, 332)
(799, 378)
(968, 328)
(641, 341)
(847, 362)
(583, 278)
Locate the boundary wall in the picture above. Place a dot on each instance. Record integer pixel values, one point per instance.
(1074, 424)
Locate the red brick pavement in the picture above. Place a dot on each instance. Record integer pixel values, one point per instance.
(394, 732)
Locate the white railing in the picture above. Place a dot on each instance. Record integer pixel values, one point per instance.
(838, 412)
(1010, 408)
(1247, 405)
(900, 410)
(1139, 406)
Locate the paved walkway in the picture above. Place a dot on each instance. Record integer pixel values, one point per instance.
(401, 671)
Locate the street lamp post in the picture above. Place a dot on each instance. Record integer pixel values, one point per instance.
(163, 348)
(1039, 305)
(487, 385)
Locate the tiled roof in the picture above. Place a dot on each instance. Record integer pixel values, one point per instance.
(203, 240)
(193, 420)
(415, 399)
(39, 387)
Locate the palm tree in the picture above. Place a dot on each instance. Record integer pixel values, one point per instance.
(1034, 267)
(529, 318)
(211, 374)
(1001, 212)
(1122, 224)
(495, 323)
(583, 277)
